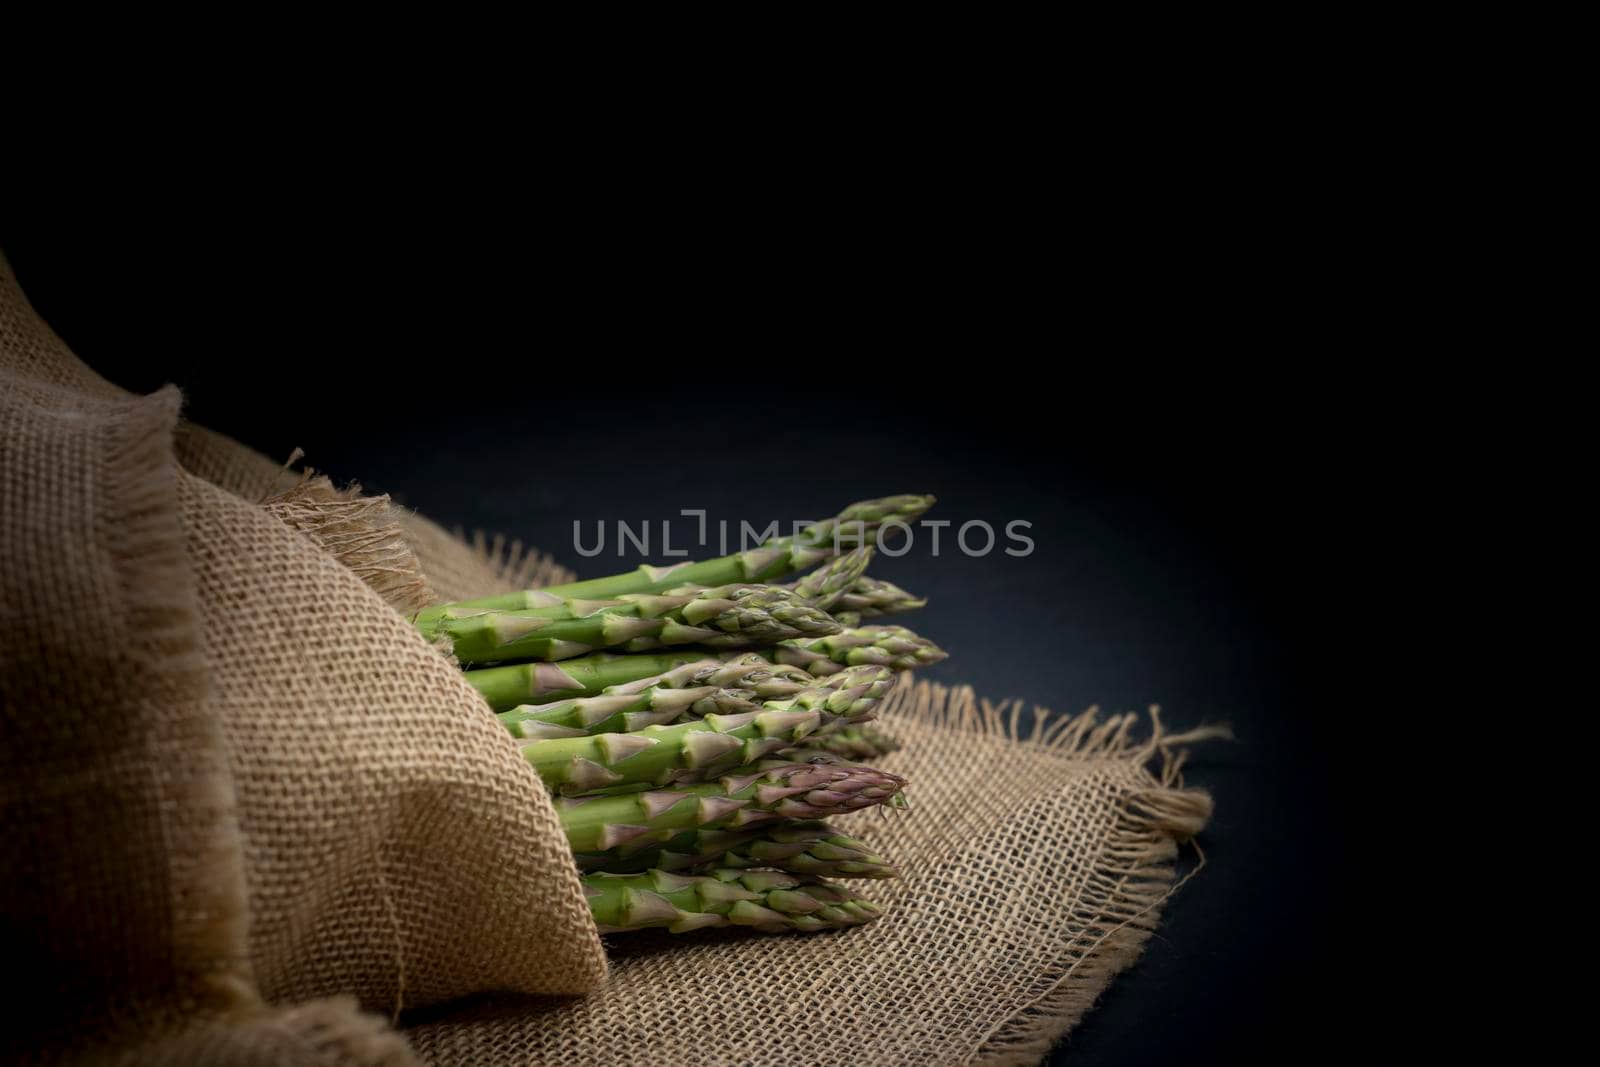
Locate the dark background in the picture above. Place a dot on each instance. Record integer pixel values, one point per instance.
(1189, 512)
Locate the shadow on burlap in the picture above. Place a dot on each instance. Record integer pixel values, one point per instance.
(259, 820)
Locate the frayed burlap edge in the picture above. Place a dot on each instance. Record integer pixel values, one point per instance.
(361, 532)
(517, 565)
(210, 909)
(1118, 916)
(332, 1032)
(337, 1031)
(144, 538)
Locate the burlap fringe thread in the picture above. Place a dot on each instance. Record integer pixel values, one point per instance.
(517, 565)
(360, 532)
(336, 1031)
(157, 604)
(162, 617)
(1152, 823)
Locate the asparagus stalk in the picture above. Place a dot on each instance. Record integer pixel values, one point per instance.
(517, 684)
(763, 900)
(847, 742)
(824, 586)
(868, 598)
(785, 688)
(730, 616)
(870, 684)
(587, 676)
(698, 688)
(692, 751)
(616, 712)
(812, 848)
(894, 647)
(749, 673)
(769, 792)
(856, 525)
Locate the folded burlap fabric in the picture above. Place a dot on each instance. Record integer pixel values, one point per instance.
(1033, 871)
(251, 816)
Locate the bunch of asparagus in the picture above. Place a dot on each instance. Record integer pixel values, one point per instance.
(694, 722)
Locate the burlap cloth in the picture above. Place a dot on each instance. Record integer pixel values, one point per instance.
(249, 816)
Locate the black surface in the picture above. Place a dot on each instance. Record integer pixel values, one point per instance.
(1185, 521)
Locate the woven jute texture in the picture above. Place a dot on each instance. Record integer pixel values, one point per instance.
(250, 816)
(1036, 855)
(397, 846)
(242, 800)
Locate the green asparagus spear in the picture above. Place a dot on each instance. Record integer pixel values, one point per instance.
(587, 676)
(847, 742)
(824, 586)
(692, 751)
(730, 616)
(786, 687)
(607, 672)
(812, 848)
(868, 598)
(617, 712)
(763, 900)
(856, 525)
(698, 688)
(747, 672)
(768, 792)
(894, 647)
